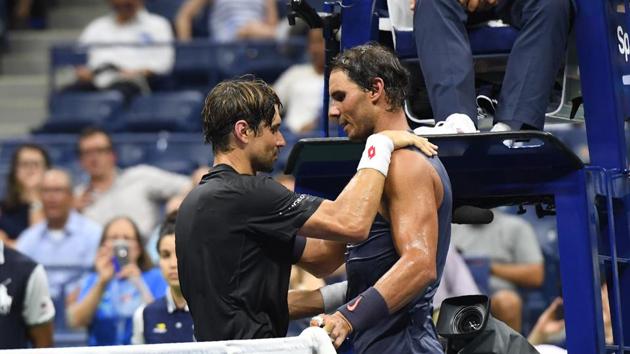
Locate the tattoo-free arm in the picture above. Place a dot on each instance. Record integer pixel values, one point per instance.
(185, 17)
(41, 335)
(350, 216)
(526, 275)
(321, 257)
(414, 193)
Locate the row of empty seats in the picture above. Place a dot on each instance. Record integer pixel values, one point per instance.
(163, 111)
(176, 102)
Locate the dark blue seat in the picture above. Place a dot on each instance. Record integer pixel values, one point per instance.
(169, 9)
(195, 66)
(484, 40)
(264, 59)
(480, 270)
(179, 155)
(163, 111)
(164, 8)
(72, 112)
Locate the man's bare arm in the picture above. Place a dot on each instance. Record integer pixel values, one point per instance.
(322, 257)
(412, 190)
(185, 17)
(414, 193)
(41, 335)
(350, 216)
(526, 275)
(304, 303)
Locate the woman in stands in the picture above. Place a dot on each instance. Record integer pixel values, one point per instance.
(124, 280)
(22, 205)
(165, 320)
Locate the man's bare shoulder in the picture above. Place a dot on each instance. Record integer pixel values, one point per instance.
(412, 164)
(411, 173)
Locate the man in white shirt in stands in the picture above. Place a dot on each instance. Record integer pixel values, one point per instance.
(138, 192)
(301, 88)
(127, 48)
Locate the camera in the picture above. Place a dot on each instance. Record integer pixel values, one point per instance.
(463, 316)
(467, 325)
(121, 254)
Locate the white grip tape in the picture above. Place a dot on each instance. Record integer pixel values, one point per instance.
(377, 153)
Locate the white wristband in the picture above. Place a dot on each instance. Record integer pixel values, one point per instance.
(334, 295)
(377, 153)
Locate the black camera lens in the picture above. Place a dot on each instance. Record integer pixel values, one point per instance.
(468, 320)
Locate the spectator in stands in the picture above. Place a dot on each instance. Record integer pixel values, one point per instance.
(137, 192)
(26, 310)
(550, 327)
(171, 206)
(446, 59)
(165, 320)
(22, 206)
(456, 279)
(230, 20)
(515, 260)
(301, 88)
(65, 237)
(128, 47)
(122, 283)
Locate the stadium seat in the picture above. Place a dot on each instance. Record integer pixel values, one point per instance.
(264, 59)
(179, 155)
(169, 9)
(195, 66)
(72, 112)
(163, 111)
(480, 270)
(164, 8)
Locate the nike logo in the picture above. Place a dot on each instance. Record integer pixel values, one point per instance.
(353, 306)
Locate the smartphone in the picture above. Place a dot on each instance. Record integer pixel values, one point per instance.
(121, 254)
(559, 313)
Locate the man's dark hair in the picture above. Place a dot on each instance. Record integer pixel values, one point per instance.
(167, 228)
(366, 62)
(245, 99)
(89, 131)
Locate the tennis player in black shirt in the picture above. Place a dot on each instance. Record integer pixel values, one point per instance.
(236, 231)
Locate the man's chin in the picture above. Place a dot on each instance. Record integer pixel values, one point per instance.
(357, 137)
(265, 168)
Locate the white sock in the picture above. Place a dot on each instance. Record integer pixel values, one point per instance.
(500, 127)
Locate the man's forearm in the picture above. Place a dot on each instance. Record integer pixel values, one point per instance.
(41, 335)
(404, 281)
(305, 303)
(527, 275)
(358, 203)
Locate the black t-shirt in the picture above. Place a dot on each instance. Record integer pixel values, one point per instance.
(235, 238)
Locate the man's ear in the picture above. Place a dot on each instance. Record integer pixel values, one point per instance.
(377, 90)
(242, 132)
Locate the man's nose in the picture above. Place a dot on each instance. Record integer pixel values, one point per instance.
(333, 112)
(281, 142)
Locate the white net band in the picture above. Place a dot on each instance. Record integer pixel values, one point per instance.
(312, 340)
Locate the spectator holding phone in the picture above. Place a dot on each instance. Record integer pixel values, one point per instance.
(550, 327)
(124, 280)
